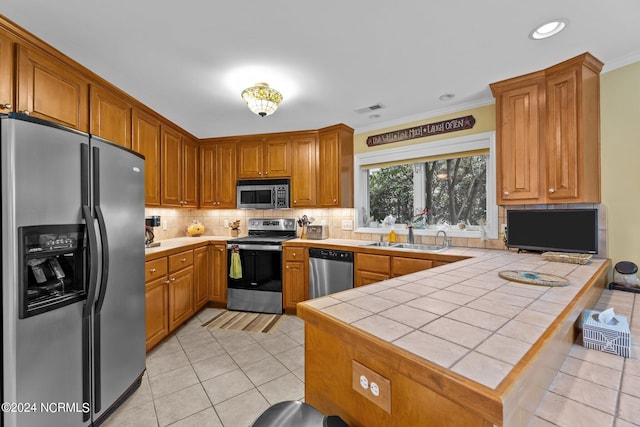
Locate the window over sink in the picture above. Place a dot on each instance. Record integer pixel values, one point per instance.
(448, 184)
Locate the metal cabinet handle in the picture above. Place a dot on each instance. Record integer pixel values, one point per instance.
(183, 260)
(6, 106)
(26, 112)
(173, 279)
(294, 254)
(551, 190)
(335, 200)
(153, 270)
(506, 193)
(167, 281)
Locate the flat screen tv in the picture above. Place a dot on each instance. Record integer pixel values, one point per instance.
(562, 230)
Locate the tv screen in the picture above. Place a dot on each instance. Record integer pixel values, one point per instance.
(562, 230)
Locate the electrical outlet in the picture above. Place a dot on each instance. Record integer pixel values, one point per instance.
(165, 224)
(377, 388)
(347, 224)
(226, 223)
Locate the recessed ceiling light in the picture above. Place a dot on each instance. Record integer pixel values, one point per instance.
(548, 29)
(374, 116)
(446, 96)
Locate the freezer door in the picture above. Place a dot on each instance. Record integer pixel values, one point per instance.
(42, 354)
(119, 322)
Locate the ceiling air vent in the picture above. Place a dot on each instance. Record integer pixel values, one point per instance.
(368, 109)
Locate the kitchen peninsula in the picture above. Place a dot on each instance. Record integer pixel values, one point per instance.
(455, 345)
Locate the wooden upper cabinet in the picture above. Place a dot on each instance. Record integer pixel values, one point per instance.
(250, 159)
(519, 152)
(304, 163)
(51, 90)
(146, 141)
(171, 170)
(264, 158)
(548, 134)
(190, 172)
(6, 73)
(110, 116)
(277, 157)
(335, 167)
(573, 130)
(218, 175)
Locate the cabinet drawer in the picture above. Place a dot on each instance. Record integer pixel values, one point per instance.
(402, 265)
(180, 261)
(373, 263)
(293, 254)
(155, 269)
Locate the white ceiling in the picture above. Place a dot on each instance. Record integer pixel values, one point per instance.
(189, 60)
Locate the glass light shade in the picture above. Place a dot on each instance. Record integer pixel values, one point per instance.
(261, 99)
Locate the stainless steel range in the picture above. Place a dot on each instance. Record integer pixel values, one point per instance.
(255, 266)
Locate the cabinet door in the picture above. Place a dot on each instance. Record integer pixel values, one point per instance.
(208, 196)
(171, 171)
(146, 141)
(190, 174)
(367, 277)
(277, 158)
(180, 297)
(48, 89)
(304, 171)
(518, 144)
(110, 117)
(6, 73)
(401, 265)
(157, 314)
(218, 288)
(562, 130)
(250, 159)
(293, 284)
(329, 169)
(226, 176)
(201, 277)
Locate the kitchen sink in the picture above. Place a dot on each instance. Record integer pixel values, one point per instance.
(420, 247)
(380, 244)
(412, 246)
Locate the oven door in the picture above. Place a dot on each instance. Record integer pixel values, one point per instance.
(260, 267)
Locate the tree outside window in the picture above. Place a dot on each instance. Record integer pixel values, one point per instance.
(454, 191)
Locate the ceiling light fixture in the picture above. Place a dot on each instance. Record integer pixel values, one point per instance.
(548, 29)
(446, 96)
(261, 99)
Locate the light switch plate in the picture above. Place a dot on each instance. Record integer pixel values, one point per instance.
(347, 224)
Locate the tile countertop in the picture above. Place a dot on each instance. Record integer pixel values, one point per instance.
(462, 315)
(465, 318)
(178, 244)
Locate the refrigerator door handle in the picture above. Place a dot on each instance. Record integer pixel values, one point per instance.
(102, 227)
(86, 310)
(97, 397)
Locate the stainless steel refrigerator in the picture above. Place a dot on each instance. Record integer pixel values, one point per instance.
(73, 304)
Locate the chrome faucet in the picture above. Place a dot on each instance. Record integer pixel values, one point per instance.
(444, 237)
(410, 235)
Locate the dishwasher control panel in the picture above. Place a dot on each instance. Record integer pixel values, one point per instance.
(331, 254)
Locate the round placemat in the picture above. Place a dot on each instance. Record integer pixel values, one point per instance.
(533, 278)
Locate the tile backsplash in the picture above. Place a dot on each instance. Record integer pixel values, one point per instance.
(178, 219)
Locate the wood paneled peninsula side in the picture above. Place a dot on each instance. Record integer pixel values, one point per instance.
(454, 345)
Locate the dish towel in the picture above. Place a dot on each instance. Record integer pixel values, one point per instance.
(235, 271)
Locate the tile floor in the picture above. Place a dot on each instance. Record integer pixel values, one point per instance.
(213, 378)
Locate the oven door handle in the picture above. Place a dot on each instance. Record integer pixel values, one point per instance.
(272, 248)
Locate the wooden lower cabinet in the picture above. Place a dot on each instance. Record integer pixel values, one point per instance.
(201, 277)
(295, 281)
(180, 288)
(157, 311)
(371, 268)
(157, 301)
(403, 265)
(218, 283)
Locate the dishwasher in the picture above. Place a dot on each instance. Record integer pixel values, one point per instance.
(329, 271)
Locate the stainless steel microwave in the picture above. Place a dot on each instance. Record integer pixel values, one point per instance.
(263, 194)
